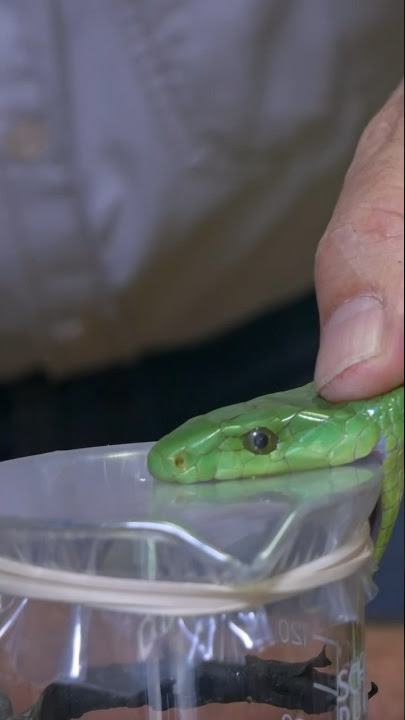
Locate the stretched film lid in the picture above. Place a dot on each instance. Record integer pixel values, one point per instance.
(92, 526)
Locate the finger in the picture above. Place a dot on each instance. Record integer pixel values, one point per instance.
(359, 269)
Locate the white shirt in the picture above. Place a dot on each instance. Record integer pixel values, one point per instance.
(167, 168)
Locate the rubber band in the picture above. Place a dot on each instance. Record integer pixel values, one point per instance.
(181, 598)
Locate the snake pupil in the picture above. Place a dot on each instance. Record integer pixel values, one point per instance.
(260, 441)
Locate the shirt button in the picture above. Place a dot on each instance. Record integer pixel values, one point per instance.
(27, 141)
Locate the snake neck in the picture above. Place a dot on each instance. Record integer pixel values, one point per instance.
(387, 410)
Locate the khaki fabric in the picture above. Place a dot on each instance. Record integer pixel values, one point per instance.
(167, 168)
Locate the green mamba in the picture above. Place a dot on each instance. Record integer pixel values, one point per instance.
(289, 431)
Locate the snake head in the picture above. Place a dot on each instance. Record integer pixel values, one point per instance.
(271, 435)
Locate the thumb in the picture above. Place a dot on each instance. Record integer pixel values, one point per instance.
(359, 269)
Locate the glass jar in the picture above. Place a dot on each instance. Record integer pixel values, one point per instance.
(222, 600)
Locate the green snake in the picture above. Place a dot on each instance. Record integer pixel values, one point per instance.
(290, 431)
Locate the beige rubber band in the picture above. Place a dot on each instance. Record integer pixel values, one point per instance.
(183, 599)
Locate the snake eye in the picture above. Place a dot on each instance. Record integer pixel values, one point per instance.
(260, 441)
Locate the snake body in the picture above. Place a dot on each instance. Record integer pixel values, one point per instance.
(290, 431)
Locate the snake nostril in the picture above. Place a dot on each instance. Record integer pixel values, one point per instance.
(179, 461)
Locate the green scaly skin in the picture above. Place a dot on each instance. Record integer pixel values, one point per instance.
(311, 433)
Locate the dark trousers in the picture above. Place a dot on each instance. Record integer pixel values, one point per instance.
(145, 399)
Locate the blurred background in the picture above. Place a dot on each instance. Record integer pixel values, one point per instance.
(167, 171)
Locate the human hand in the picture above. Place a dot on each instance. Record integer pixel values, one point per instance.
(359, 273)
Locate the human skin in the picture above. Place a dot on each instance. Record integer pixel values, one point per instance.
(359, 273)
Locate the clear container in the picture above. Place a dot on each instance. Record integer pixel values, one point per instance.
(124, 598)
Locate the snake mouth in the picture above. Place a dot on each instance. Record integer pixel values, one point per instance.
(375, 520)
